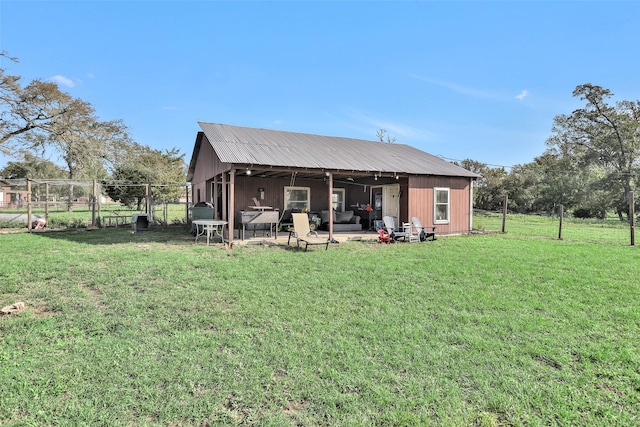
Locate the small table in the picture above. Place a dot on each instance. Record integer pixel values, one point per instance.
(212, 227)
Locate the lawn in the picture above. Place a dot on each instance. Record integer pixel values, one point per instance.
(81, 215)
(151, 329)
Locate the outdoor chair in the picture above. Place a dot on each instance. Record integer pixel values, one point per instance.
(394, 232)
(383, 236)
(303, 232)
(411, 232)
(424, 234)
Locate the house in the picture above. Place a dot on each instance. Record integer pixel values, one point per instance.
(289, 171)
(13, 193)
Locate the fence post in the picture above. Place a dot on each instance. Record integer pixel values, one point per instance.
(632, 218)
(561, 219)
(504, 212)
(94, 197)
(46, 202)
(147, 199)
(28, 204)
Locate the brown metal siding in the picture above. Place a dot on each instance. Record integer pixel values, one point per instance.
(421, 202)
(207, 166)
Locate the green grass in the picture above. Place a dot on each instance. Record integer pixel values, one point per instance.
(152, 329)
(610, 231)
(80, 216)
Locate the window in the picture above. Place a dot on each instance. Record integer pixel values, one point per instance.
(337, 199)
(297, 198)
(441, 205)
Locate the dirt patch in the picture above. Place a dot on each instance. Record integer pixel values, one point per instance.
(21, 307)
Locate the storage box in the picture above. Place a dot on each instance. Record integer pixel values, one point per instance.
(139, 222)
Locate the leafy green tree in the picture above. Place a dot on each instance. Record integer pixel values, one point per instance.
(604, 138)
(34, 108)
(489, 189)
(83, 143)
(165, 171)
(33, 167)
(40, 117)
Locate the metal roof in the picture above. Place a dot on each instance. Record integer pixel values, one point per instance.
(253, 146)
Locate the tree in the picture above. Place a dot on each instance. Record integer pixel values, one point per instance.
(488, 193)
(601, 137)
(35, 108)
(383, 136)
(33, 167)
(165, 171)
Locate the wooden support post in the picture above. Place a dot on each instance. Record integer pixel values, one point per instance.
(632, 219)
(98, 194)
(28, 204)
(224, 196)
(214, 196)
(504, 213)
(561, 219)
(94, 200)
(330, 206)
(232, 197)
(147, 198)
(46, 202)
(186, 206)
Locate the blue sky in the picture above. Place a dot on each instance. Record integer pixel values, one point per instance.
(458, 79)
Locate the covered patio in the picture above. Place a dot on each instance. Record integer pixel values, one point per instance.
(242, 170)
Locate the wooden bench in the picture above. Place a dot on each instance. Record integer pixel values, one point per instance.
(117, 219)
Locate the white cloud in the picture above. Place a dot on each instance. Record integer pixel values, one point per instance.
(63, 81)
(522, 95)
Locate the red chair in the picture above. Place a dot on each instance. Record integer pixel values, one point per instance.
(383, 236)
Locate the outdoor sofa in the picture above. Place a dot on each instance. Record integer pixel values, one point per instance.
(342, 221)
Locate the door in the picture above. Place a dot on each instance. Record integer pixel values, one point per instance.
(391, 201)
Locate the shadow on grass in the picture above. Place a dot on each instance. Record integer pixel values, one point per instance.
(112, 236)
(172, 235)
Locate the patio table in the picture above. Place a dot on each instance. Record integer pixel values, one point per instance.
(212, 228)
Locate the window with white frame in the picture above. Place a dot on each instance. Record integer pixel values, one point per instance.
(441, 205)
(297, 198)
(337, 199)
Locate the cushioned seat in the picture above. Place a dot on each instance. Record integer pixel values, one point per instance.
(342, 221)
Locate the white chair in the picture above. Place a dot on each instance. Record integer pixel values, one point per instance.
(411, 233)
(394, 232)
(422, 232)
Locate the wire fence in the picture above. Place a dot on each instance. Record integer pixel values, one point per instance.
(611, 230)
(82, 203)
